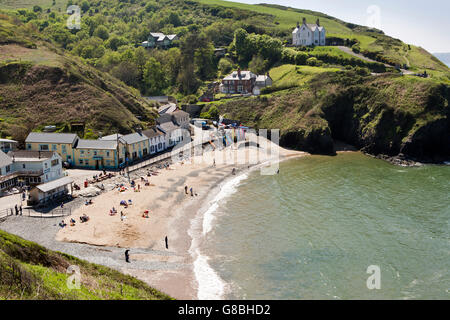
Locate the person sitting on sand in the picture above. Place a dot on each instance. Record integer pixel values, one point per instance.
(122, 216)
(62, 224)
(145, 214)
(130, 202)
(72, 222)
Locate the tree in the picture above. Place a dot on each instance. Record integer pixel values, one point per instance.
(174, 19)
(258, 65)
(85, 6)
(127, 72)
(102, 33)
(154, 77)
(225, 66)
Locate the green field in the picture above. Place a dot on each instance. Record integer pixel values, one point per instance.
(16, 4)
(287, 19)
(289, 74)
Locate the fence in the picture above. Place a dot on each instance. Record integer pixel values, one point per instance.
(167, 155)
(57, 212)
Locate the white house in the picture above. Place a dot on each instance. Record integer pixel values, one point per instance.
(156, 138)
(35, 167)
(261, 82)
(309, 34)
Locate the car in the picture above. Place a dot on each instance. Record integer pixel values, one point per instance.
(66, 165)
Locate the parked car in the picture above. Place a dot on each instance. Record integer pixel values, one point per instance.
(66, 165)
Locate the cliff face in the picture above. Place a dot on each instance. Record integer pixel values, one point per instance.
(386, 115)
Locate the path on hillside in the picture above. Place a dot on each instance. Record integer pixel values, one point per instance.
(359, 55)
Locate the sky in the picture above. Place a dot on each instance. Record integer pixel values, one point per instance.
(422, 23)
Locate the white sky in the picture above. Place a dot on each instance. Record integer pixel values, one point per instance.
(422, 23)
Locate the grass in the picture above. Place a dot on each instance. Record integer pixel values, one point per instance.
(286, 19)
(44, 4)
(30, 271)
(289, 74)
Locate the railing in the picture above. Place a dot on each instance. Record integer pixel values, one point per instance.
(58, 212)
(168, 155)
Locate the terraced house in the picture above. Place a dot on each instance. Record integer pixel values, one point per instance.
(98, 154)
(62, 143)
(137, 146)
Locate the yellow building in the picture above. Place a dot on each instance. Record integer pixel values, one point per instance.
(98, 154)
(62, 143)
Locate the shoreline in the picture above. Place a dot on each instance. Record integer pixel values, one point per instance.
(174, 214)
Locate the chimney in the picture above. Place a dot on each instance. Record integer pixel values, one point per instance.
(304, 20)
(239, 72)
(318, 22)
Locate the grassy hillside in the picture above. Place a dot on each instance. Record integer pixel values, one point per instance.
(42, 85)
(29, 271)
(372, 42)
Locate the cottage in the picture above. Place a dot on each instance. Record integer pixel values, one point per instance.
(181, 118)
(159, 40)
(244, 82)
(309, 34)
(157, 139)
(99, 154)
(137, 146)
(62, 143)
(241, 82)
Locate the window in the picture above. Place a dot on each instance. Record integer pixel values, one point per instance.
(44, 147)
(95, 152)
(63, 149)
(46, 165)
(28, 146)
(54, 147)
(82, 152)
(23, 166)
(55, 162)
(107, 154)
(8, 169)
(240, 88)
(81, 161)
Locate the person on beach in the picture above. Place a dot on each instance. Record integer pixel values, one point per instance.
(167, 242)
(17, 210)
(127, 256)
(20, 209)
(186, 189)
(192, 192)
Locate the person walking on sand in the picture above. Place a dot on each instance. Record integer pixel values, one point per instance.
(121, 216)
(167, 243)
(192, 192)
(186, 189)
(127, 256)
(17, 210)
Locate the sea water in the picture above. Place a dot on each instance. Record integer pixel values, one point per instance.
(313, 230)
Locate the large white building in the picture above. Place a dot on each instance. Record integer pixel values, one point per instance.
(309, 34)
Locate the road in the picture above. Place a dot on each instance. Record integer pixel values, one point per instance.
(359, 55)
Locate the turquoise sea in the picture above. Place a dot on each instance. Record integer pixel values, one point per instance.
(312, 231)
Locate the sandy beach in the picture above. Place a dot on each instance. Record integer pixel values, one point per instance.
(171, 213)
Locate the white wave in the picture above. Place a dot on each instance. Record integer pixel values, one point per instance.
(226, 190)
(210, 285)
